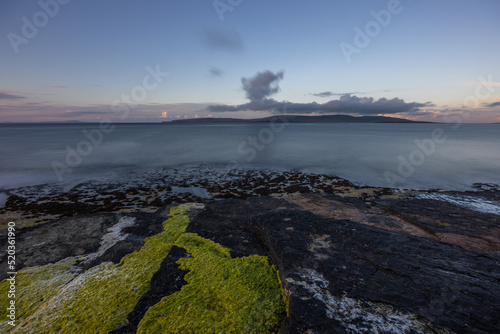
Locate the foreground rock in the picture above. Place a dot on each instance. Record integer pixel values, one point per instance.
(347, 264)
(345, 276)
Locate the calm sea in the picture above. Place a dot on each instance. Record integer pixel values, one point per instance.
(420, 156)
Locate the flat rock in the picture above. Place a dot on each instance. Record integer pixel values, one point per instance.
(343, 276)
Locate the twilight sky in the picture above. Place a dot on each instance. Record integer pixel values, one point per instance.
(152, 61)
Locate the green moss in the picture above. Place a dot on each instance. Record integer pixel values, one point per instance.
(34, 287)
(99, 299)
(223, 294)
(283, 293)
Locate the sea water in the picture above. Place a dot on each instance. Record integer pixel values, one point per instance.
(419, 156)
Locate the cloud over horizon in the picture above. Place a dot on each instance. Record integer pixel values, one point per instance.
(259, 88)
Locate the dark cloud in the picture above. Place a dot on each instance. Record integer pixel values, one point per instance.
(262, 85)
(223, 40)
(329, 94)
(7, 96)
(216, 72)
(494, 104)
(259, 88)
(346, 104)
(324, 94)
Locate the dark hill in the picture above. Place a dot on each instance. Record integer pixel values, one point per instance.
(300, 119)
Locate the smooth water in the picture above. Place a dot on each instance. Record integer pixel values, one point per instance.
(417, 156)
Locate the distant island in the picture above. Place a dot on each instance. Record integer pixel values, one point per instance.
(299, 119)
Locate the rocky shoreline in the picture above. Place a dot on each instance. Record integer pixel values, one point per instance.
(350, 259)
(150, 189)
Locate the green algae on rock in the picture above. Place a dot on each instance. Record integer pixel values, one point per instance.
(34, 287)
(100, 298)
(223, 294)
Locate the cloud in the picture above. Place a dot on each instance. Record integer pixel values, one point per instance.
(7, 96)
(262, 85)
(494, 104)
(57, 86)
(346, 104)
(223, 40)
(259, 88)
(216, 72)
(329, 94)
(324, 94)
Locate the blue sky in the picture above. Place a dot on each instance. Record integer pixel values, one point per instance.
(428, 59)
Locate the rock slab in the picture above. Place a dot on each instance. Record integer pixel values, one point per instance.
(348, 277)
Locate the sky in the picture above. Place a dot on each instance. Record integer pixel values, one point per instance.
(153, 61)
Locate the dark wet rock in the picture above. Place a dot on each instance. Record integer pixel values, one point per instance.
(449, 223)
(433, 219)
(226, 222)
(343, 276)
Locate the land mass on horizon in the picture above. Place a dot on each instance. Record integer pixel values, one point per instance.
(299, 119)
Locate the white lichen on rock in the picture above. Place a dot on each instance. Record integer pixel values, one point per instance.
(359, 316)
(111, 238)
